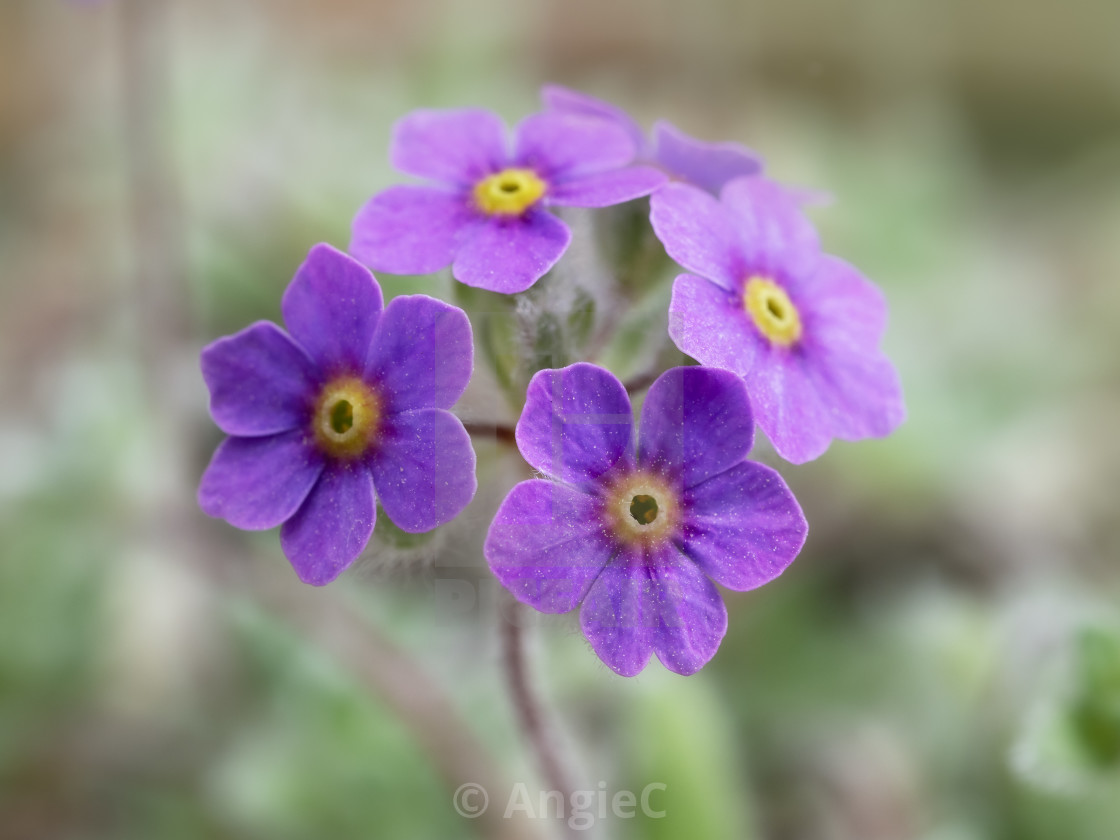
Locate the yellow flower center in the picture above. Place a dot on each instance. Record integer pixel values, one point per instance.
(508, 193)
(772, 311)
(347, 417)
(642, 509)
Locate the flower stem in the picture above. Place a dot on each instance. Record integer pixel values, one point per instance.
(530, 712)
(501, 433)
(160, 305)
(416, 699)
(642, 381)
(334, 625)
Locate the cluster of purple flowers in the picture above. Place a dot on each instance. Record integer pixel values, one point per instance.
(351, 407)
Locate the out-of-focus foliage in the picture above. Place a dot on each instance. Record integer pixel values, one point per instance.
(1096, 706)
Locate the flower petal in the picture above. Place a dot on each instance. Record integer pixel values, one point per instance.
(333, 526)
(546, 545)
(708, 323)
(619, 615)
(456, 146)
(559, 145)
(862, 391)
(257, 483)
(410, 230)
(331, 308)
(660, 602)
(842, 306)
(706, 165)
(260, 381)
(423, 469)
(558, 98)
(422, 355)
(774, 233)
(742, 527)
(788, 406)
(692, 618)
(845, 317)
(510, 255)
(605, 189)
(698, 233)
(576, 425)
(696, 422)
(805, 398)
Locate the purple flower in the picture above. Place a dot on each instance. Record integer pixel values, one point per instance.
(351, 408)
(637, 533)
(801, 327)
(485, 214)
(706, 165)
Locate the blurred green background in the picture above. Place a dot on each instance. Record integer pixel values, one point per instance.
(943, 660)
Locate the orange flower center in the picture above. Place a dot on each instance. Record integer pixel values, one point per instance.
(642, 509)
(347, 417)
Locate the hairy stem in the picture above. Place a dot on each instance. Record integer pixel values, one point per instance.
(526, 703)
(333, 625)
(642, 381)
(496, 431)
(160, 300)
(415, 699)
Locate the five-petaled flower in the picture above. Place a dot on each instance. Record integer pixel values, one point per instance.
(485, 212)
(348, 410)
(683, 158)
(637, 527)
(801, 327)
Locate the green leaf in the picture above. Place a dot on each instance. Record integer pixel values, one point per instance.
(1095, 714)
(386, 533)
(679, 736)
(641, 335)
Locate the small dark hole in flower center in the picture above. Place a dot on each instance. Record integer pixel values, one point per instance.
(643, 509)
(509, 186)
(342, 417)
(776, 309)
